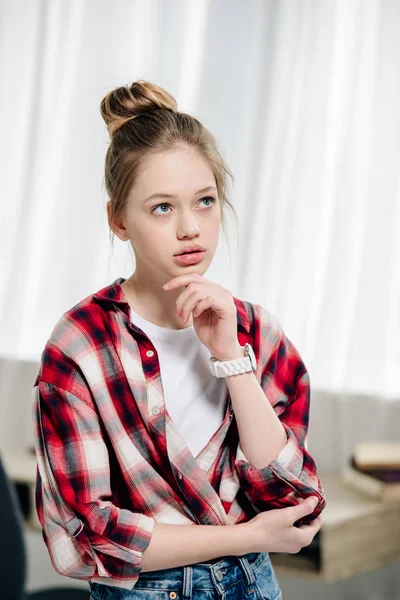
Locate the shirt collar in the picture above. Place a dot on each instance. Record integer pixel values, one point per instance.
(114, 293)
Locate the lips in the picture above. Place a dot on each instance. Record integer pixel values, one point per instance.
(189, 258)
(190, 249)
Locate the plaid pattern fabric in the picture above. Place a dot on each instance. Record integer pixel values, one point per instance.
(110, 461)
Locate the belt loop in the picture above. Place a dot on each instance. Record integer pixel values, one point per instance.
(248, 571)
(187, 582)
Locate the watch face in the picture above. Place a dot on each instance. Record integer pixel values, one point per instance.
(251, 355)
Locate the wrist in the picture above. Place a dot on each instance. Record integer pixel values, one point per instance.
(232, 354)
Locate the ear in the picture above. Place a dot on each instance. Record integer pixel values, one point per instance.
(117, 225)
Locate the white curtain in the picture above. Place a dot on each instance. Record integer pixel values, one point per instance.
(303, 98)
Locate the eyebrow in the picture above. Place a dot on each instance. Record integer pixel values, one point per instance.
(160, 195)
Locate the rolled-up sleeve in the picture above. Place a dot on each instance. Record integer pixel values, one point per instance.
(293, 474)
(112, 539)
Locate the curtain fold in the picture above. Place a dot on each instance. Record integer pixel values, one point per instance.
(303, 100)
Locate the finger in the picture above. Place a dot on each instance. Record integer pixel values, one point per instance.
(303, 508)
(314, 524)
(189, 304)
(181, 280)
(186, 301)
(202, 305)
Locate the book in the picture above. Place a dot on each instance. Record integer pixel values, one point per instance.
(370, 485)
(377, 455)
(388, 475)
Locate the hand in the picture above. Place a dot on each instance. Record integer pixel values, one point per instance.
(214, 313)
(273, 530)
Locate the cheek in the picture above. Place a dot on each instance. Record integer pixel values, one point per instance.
(215, 227)
(152, 246)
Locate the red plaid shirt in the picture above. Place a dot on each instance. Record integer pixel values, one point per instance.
(119, 462)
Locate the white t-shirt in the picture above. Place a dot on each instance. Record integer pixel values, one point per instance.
(195, 399)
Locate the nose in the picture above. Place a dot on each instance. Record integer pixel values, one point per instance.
(188, 227)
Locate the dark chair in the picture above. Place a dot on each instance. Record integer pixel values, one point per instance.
(13, 562)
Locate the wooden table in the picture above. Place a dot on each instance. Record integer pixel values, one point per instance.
(357, 535)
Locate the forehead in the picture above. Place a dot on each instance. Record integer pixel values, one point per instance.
(179, 171)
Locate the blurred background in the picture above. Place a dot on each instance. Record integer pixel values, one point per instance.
(303, 97)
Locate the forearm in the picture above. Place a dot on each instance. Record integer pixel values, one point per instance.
(262, 435)
(179, 545)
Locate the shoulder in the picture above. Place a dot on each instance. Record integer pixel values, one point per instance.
(261, 321)
(72, 342)
(279, 359)
(269, 323)
(77, 325)
(262, 327)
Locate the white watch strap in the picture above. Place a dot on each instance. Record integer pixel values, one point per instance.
(225, 368)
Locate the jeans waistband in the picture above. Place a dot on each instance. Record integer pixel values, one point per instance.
(217, 573)
(187, 582)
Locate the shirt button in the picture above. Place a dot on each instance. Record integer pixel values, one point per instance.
(149, 353)
(155, 410)
(180, 475)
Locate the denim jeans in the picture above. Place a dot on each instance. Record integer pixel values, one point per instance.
(250, 576)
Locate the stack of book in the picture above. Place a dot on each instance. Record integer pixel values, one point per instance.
(374, 471)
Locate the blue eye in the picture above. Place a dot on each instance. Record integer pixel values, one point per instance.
(213, 200)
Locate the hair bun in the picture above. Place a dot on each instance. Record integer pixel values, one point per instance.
(127, 102)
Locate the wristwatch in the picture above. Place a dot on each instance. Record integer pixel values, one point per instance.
(226, 368)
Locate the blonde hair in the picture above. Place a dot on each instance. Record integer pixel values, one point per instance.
(142, 119)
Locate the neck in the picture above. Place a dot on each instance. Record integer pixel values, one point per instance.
(159, 308)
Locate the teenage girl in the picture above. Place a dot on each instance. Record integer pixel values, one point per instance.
(171, 417)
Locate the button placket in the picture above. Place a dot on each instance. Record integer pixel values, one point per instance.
(156, 409)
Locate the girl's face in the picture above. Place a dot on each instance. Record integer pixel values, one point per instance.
(160, 227)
